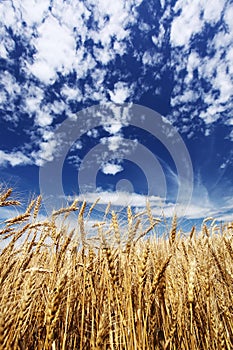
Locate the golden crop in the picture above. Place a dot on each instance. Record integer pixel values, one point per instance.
(61, 290)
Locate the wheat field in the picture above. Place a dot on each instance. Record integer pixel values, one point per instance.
(62, 290)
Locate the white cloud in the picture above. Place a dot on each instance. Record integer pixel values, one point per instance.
(231, 134)
(71, 93)
(7, 44)
(193, 63)
(121, 199)
(159, 39)
(112, 33)
(43, 119)
(43, 71)
(48, 146)
(59, 36)
(10, 85)
(186, 97)
(121, 92)
(213, 10)
(162, 3)
(148, 58)
(119, 19)
(113, 128)
(14, 158)
(46, 152)
(56, 50)
(8, 14)
(32, 10)
(47, 112)
(228, 17)
(190, 212)
(98, 76)
(111, 169)
(33, 99)
(104, 55)
(47, 135)
(57, 107)
(189, 21)
(120, 47)
(73, 14)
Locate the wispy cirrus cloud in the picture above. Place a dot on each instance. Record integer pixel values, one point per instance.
(159, 206)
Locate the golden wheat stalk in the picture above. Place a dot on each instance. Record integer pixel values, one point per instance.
(116, 229)
(191, 280)
(18, 219)
(173, 231)
(52, 312)
(5, 195)
(37, 207)
(82, 224)
(159, 276)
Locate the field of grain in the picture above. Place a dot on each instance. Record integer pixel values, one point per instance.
(61, 290)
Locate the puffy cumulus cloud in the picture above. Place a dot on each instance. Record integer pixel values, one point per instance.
(186, 24)
(44, 114)
(80, 38)
(47, 151)
(121, 92)
(43, 119)
(71, 93)
(55, 46)
(111, 169)
(113, 128)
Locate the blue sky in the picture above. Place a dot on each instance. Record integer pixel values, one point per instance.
(92, 66)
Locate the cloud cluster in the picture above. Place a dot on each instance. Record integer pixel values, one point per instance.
(48, 43)
(44, 42)
(202, 38)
